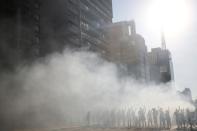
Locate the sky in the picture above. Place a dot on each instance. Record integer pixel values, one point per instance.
(182, 42)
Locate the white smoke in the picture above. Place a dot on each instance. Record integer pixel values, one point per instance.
(64, 87)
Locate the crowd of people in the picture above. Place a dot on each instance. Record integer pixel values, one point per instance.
(185, 118)
(142, 118)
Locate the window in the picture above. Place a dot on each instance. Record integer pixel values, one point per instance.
(37, 5)
(37, 28)
(36, 17)
(85, 25)
(37, 39)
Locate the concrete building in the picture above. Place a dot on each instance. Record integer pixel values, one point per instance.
(127, 49)
(73, 23)
(35, 28)
(95, 14)
(19, 31)
(160, 63)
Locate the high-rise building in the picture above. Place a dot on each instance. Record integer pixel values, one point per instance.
(75, 23)
(34, 28)
(19, 31)
(160, 64)
(95, 14)
(127, 49)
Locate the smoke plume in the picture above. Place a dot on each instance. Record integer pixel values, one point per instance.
(62, 88)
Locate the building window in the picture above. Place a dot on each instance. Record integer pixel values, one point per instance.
(36, 51)
(103, 36)
(37, 40)
(37, 5)
(85, 25)
(37, 28)
(98, 25)
(36, 17)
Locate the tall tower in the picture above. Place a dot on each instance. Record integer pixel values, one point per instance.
(163, 41)
(132, 27)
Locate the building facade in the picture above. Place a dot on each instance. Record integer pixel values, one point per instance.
(19, 33)
(73, 23)
(127, 49)
(161, 69)
(36, 28)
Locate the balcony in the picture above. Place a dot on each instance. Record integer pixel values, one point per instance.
(72, 19)
(102, 7)
(73, 9)
(95, 9)
(90, 38)
(73, 30)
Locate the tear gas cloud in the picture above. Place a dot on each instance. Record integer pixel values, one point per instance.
(64, 87)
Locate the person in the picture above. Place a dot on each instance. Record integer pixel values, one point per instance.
(195, 116)
(182, 118)
(112, 119)
(168, 119)
(149, 118)
(177, 118)
(155, 115)
(134, 118)
(129, 118)
(189, 118)
(118, 120)
(161, 118)
(88, 118)
(142, 118)
(123, 118)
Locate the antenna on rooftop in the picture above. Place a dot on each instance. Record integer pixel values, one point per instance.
(163, 41)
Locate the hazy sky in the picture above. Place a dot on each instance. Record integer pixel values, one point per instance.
(183, 45)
